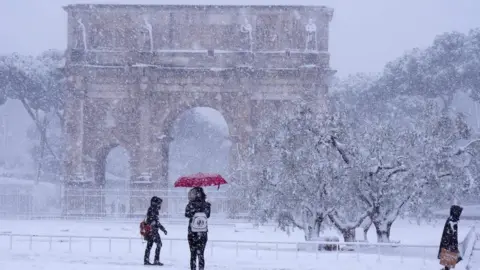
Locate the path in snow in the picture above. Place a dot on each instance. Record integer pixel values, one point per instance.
(223, 257)
(475, 259)
(402, 230)
(26, 260)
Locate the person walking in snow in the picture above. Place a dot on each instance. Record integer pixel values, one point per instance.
(153, 221)
(449, 239)
(198, 213)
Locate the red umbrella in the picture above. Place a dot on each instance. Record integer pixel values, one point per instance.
(200, 180)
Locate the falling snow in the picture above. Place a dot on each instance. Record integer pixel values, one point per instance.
(143, 95)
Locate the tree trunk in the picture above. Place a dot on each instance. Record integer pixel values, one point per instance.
(366, 226)
(308, 231)
(43, 139)
(61, 119)
(318, 226)
(349, 235)
(447, 103)
(312, 230)
(383, 231)
(41, 128)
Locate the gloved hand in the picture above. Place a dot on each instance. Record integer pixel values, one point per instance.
(165, 232)
(459, 259)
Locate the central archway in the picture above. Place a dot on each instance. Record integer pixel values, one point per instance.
(199, 143)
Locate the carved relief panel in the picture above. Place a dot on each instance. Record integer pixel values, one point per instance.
(266, 32)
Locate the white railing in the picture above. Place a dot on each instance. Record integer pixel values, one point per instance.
(273, 250)
(467, 247)
(100, 203)
(222, 218)
(468, 243)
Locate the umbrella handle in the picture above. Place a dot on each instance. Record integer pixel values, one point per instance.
(218, 187)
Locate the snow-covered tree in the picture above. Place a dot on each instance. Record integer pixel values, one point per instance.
(356, 83)
(350, 211)
(37, 83)
(305, 159)
(451, 64)
(49, 167)
(404, 157)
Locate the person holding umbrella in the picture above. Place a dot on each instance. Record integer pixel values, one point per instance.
(198, 213)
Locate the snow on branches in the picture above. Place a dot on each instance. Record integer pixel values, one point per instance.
(304, 157)
(345, 166)
(406, 158)
(37, 82)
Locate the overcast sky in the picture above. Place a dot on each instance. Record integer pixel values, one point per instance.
(364, 34)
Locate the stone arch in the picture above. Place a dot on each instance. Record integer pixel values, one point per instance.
(176, 115)
(163, 84)
(100, 164)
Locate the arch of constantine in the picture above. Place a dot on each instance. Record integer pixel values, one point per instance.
(133, 69)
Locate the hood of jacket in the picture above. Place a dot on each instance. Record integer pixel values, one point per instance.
(156, 202)
(455, 213)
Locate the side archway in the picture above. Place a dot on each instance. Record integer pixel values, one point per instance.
(112, 174)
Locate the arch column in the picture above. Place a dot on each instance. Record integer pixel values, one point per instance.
(315, 83)
(240, 129)
(161, 162)
(74, 112)
(239, 171)
(77, 181)
(144, 149)
(142, 184)
(240, 156)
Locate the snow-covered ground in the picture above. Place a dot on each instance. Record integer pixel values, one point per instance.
(179, 260)
(407, 232)
(475, 260)
(220, 255)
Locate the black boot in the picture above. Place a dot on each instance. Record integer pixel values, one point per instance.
(156, 259)
(146, 256)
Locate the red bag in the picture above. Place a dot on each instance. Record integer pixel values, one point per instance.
(448, 258)
(145, 229)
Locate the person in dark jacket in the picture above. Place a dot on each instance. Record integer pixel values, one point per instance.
(198, 213)
(449, 239)
(153, 220)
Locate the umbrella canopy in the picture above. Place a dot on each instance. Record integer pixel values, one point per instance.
(200, 180)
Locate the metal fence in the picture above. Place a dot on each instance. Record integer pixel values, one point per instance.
(225, 248)
(104, 203)
(467, 247)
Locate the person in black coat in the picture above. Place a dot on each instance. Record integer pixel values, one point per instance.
(449, 239)
(153, 220)
(198, 212)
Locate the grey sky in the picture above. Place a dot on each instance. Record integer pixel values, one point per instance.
(365, 34)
